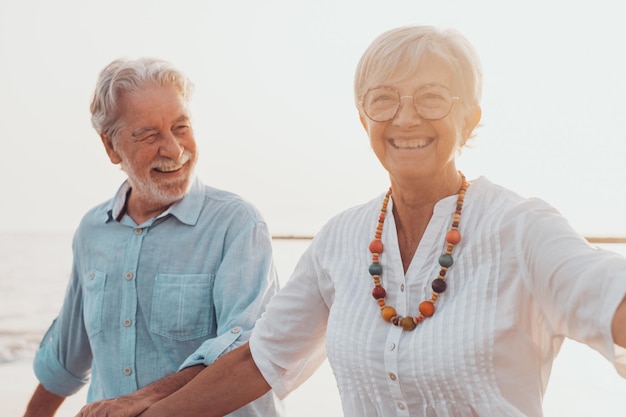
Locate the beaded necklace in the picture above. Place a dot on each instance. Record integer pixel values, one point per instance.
(426, 308)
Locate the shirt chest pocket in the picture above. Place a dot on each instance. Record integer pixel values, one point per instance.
(93, 301)
(182, 306)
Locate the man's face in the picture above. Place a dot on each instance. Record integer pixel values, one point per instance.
(155, 146)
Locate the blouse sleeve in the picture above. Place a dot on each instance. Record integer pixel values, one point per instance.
(577, 285)
(288, 342)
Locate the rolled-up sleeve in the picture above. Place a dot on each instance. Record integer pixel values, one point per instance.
(244, 284)
(63, 361)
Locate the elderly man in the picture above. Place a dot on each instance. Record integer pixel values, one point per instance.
(169, 274)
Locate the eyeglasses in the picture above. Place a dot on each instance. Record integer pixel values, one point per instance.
(432, 102)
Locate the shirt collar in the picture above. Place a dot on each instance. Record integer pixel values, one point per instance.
(187, 210)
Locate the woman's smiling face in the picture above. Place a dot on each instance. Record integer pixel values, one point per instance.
(409, 146)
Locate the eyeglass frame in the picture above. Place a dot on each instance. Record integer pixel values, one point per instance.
(453, 99)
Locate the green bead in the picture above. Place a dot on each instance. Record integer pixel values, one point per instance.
(376, 269)
(446, 260)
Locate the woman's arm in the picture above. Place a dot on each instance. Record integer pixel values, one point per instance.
(222, 387)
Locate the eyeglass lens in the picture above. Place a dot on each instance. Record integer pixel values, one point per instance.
(431, 103)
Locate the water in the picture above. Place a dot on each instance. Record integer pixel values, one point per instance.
(34, 268)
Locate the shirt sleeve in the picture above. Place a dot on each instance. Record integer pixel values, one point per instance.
(244, 284)
(578, 286)
(288, 343)
(63, 361)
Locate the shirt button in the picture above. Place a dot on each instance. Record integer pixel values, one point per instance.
(127, 371)
(91, 276)
(402, 288)
(236, 330)
(392, 376)
(138, 231)
(129, 276)
(401, 406)
(127, 322)
(392, 346)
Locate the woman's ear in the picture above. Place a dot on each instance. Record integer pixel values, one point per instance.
(363, 121)
(108, 146)
(471, 120)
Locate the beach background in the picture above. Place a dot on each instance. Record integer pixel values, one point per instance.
(34, 269)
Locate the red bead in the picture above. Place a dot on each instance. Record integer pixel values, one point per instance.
(379, 292)
(376, 246)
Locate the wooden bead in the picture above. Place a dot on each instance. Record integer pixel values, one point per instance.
(427, 308)
(407, 323)
(388, 313)
(439, 285)
(446, 260)
(379, 292)
(453, 236)
(376, 246)
(376, 269)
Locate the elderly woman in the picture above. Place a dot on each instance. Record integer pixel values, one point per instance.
(441, 297)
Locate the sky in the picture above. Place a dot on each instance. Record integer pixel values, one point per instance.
(273, 110)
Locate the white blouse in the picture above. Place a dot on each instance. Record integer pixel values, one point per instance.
(521, 281)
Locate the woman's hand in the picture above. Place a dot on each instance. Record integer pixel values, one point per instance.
(128, 406)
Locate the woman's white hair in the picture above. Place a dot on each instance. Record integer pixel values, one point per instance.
(404, 48)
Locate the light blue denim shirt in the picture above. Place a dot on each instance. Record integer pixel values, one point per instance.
(146, 300)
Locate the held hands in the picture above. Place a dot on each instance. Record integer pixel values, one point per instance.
(129, 406)
(135, 404)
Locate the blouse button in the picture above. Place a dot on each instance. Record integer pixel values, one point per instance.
(129, 276)
(392, 376)
(127, 371)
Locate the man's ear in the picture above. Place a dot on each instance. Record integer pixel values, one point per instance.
(108, 146)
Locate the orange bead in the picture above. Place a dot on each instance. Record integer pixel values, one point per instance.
(388, 313)
(453, 236)
(427, 308)
(376, 246)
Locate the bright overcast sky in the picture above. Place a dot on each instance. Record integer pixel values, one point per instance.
(273, 109)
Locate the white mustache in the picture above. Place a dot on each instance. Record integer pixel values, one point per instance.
(170, 165)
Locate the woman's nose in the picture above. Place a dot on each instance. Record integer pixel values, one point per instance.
(407, 113)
